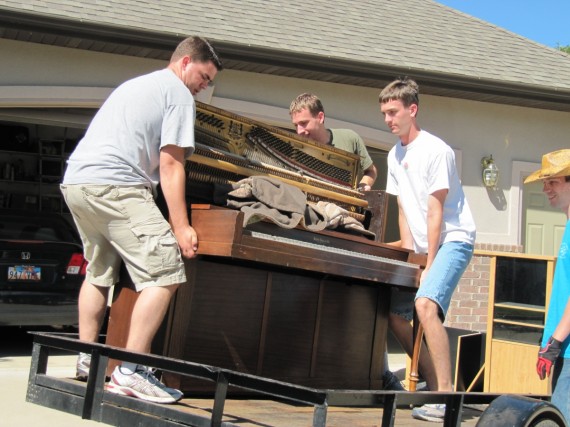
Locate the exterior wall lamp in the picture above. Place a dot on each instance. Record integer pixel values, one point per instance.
(490, 172)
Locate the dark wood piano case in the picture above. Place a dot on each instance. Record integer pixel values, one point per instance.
(293, 314)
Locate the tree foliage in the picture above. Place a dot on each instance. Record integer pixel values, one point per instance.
(565, 49)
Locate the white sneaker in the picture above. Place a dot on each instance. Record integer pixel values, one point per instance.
(434, 412)
(175, 393)
(142, 384)
(82, 366)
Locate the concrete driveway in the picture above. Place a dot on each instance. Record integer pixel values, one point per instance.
(15, 360)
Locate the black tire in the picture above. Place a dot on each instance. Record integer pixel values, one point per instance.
(521, 411)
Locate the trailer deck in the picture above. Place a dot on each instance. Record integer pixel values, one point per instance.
(269, 403)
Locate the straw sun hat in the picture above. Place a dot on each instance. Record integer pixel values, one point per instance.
(554, 164)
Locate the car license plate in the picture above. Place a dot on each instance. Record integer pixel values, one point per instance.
(25, 272)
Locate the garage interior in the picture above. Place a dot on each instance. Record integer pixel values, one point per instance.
(35, 144)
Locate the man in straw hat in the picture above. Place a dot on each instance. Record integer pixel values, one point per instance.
(555, 176)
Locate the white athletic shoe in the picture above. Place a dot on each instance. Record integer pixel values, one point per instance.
(142, 384)
(434, 412)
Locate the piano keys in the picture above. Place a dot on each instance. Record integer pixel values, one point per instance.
(222, 234)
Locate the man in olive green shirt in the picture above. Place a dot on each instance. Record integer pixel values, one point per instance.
(308, 116)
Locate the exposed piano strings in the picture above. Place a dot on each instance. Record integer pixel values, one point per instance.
(292, 158)
(245, 168)
(231, 147)
(250, 138)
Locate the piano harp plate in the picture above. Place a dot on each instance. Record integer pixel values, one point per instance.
(220, 233)
(249, 138)
(305, 184)
(230, 148)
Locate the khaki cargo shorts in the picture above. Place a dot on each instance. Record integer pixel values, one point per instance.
(123, 223)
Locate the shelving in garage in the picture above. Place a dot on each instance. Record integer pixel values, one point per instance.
(32, 162)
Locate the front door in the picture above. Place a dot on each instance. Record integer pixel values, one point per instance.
(543, 226)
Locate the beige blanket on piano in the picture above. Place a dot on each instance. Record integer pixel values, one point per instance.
(261, 197)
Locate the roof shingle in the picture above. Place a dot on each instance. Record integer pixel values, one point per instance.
(403, 34)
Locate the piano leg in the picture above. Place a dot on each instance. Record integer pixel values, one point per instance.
(418, 335)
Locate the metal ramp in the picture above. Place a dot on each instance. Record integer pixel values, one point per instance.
(90, 401)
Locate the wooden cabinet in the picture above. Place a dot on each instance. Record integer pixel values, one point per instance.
(519, 291)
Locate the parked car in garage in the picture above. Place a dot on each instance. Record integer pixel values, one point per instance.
(41, 269)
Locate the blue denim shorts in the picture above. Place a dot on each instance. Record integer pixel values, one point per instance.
(448, 266)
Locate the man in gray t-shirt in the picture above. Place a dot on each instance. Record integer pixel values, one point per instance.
(141, 136)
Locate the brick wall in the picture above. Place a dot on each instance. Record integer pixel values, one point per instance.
(468, 309)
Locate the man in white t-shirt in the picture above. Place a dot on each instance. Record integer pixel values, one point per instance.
(435, 219)
(141, 136)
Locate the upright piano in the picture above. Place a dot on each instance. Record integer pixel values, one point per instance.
(300, 306)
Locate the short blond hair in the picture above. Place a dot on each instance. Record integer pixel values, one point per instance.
(307, 101)
(405, 90)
